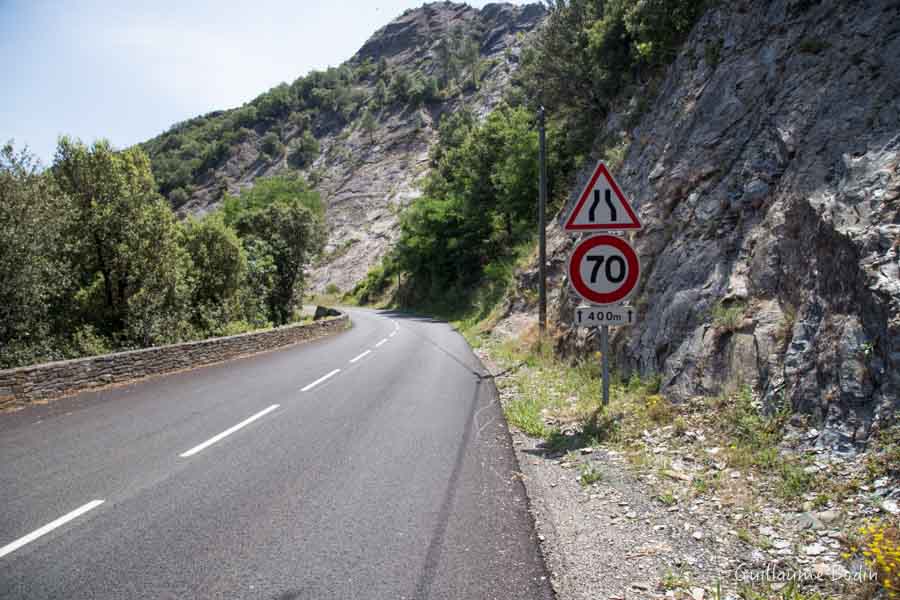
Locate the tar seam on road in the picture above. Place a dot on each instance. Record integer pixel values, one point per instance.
(319, 380)
(361, 356)
(49, 527)
(433, 554)
(381, 343)
(227, 432)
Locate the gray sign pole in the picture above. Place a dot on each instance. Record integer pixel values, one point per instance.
(604, 350)
(542, 228)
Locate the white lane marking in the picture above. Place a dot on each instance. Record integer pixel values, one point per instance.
(49, 527)
(227, 432)
(361, 356)
(319, 380)
(384, 341)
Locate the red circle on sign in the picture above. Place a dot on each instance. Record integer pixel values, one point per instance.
(622, 291)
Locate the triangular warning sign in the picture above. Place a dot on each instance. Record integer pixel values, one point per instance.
(602, 206)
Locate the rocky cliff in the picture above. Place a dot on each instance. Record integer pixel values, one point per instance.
(367, 175)
(767, 174)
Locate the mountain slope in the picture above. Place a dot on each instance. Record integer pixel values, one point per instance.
(767, 173)
(360, 132)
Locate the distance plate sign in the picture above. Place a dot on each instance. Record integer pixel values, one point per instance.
(604, 269)
(613, 315)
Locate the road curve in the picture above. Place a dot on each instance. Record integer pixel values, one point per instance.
(372, 464)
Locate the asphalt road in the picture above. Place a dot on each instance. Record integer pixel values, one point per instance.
(393, 477)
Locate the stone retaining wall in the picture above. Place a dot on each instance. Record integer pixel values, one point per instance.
(51, 380)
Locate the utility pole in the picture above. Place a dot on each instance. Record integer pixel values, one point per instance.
(542, 227)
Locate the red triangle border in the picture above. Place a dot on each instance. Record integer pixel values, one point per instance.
(602, 170)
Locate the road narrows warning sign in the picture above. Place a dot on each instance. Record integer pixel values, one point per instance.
(602, 206)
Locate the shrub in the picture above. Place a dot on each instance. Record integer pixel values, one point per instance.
(271, 146)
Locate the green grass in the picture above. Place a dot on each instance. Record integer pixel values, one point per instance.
(589, 474)
(729, 316)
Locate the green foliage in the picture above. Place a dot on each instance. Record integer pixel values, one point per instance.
(94, 260)
(124, 240)
(220, 267)
(369, 125)
(480, 202)
(271, 145)
(282, 219)
(590, 52)
(303, 150)
(34, 266)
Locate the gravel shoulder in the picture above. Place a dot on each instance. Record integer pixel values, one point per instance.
(615, 523)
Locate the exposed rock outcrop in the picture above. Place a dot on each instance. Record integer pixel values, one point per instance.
(767, 174)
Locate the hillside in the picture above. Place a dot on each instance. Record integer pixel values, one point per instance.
(767, 173)
(360, 132)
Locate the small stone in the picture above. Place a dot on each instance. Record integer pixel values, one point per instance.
(890, 506)
(808, 506)
(541, 537)
(780, 544)
(587, 450)
(735, 475)
(828, 516)
(807, 520)
(697, 535)
(639, 585)
(697, 593)
(631, 514)
(814, 550)
(767, 531)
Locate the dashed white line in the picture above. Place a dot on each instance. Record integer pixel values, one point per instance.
(382, 342)
(227, 432)
(49, 527)
(361, 356)
(320, 380)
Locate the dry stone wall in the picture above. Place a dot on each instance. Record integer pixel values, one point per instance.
(51, 380)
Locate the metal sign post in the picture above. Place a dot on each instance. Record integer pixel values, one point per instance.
(603, 269)
(542, 227)
(604, 351)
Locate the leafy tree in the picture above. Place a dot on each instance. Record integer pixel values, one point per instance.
(283, 218)
(369, 125)
(303, 150)
(271, 145)
(219, 268)
(34, 268)
(124, 239)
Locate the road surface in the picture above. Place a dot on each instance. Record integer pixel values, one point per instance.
(372, 464)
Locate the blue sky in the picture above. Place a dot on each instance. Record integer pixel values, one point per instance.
(126, 70)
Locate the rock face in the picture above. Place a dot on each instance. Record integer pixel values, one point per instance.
(366, 179)
(767, 175)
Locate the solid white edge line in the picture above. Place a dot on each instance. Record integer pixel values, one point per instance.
(49, 527)
(227, 432)
(319, 380)
(384, 341)
(361, 356)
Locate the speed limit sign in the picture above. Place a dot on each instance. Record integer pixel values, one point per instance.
(604, 269)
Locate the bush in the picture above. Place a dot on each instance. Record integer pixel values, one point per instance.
(271, 145)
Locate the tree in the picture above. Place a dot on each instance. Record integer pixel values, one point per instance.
(34, 267)
(219, 268)
(283, 218)
(369, 125)
(303, 150)
(125, 242)
(271, 145)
